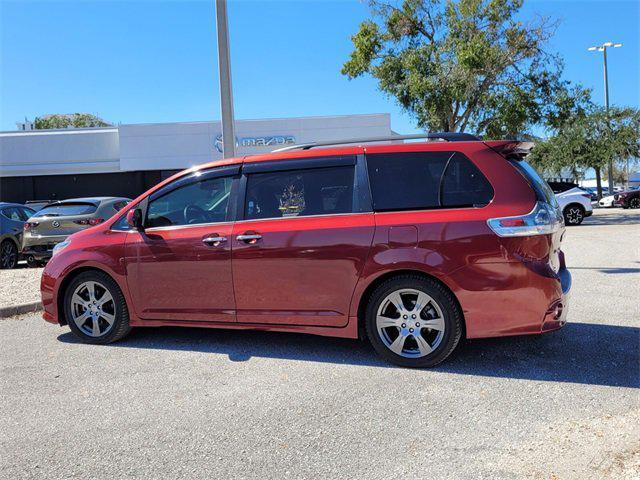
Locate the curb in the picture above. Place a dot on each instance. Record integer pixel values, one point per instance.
(6, 312)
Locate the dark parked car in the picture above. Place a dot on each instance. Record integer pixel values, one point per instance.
(627, 199)
(411, 245)
(12, 218)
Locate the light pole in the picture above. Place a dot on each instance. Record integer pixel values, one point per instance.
(224, 68)
(603, 48)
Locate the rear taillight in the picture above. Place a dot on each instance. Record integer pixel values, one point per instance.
(544, 219)
(586, 195)
(29, 225)
(89, 221)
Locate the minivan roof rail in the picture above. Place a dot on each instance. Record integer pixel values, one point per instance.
(446, 136)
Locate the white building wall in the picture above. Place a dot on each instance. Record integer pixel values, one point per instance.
(171, 146)
(165, 146)
(55, 152)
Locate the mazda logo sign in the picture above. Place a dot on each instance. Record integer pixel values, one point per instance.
(253, 142)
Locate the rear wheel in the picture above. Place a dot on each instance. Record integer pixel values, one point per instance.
(573, 214)
(8, 255)
(33, 263)
(95, 308)
(413, 321)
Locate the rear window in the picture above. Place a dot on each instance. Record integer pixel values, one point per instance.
(423, 180)
(67, 209)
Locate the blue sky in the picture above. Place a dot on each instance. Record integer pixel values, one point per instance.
(149, 61)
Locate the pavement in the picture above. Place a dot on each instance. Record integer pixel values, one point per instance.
(192, 403)
(19, 290)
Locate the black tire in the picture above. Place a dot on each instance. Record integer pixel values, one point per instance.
(446, 302)
(33, 263)
(634, 202)
(120, 327)
(573, 214)
(8, 255)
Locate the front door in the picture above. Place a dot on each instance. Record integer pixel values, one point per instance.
(179, 267)
(299, 251)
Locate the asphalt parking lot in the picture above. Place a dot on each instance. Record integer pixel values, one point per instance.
(179, 403)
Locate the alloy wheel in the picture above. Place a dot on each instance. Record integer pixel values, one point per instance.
(574, 215)
(410, 323)
(635, 202)
(8, 255)
(93, 309)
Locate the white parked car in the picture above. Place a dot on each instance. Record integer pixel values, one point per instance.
(575, 205)
(607, 202)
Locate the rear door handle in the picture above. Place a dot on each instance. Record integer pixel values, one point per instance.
(249, 237)
(214, 240)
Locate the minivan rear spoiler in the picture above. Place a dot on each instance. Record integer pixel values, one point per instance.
(512, 149)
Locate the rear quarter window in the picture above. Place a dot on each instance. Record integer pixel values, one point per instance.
(425, 180)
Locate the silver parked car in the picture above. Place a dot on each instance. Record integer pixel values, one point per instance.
(58, 220)
(12, 218)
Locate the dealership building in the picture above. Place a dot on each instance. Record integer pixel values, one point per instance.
(125, 160)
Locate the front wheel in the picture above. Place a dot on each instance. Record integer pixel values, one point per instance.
(634, 202)
(573, 214)
(95, 308)
(413, 321)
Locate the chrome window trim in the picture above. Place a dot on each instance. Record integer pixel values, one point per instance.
(177, 227)
(303, 216)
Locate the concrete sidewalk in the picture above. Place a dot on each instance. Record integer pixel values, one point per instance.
(19, 291)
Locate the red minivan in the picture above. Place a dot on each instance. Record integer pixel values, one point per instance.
(411, 245)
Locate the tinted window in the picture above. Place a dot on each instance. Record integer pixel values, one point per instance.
(205, 201)
(12, 213)
(403, 181)
(422, 180)
(463, 185)
(119, 205)
(66, 209)
(319, 191)
(27, 212)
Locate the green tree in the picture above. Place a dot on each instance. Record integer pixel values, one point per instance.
(465, 65)
(591, 141)
(75, 120)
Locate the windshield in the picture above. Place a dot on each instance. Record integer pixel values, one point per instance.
(67, 209)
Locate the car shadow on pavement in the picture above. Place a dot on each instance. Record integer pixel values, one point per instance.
(623, 217)
(584, 353)
(610, 270)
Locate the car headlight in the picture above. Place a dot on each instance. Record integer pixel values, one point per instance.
(58, 247)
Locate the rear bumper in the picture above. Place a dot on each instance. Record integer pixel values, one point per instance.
(588, 213)
(40, 247)
(556, 315)
(39, 252)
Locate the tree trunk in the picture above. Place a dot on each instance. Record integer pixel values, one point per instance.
(598, 182)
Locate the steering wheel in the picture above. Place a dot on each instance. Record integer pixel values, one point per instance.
(194, 214)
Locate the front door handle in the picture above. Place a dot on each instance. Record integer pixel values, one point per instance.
(214, 240)
(249, 237)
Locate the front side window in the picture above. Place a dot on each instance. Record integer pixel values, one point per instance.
(424, 180)
(318, 191)
(27, 212)
(205, 201)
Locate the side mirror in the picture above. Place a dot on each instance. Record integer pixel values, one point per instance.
(134, 219)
